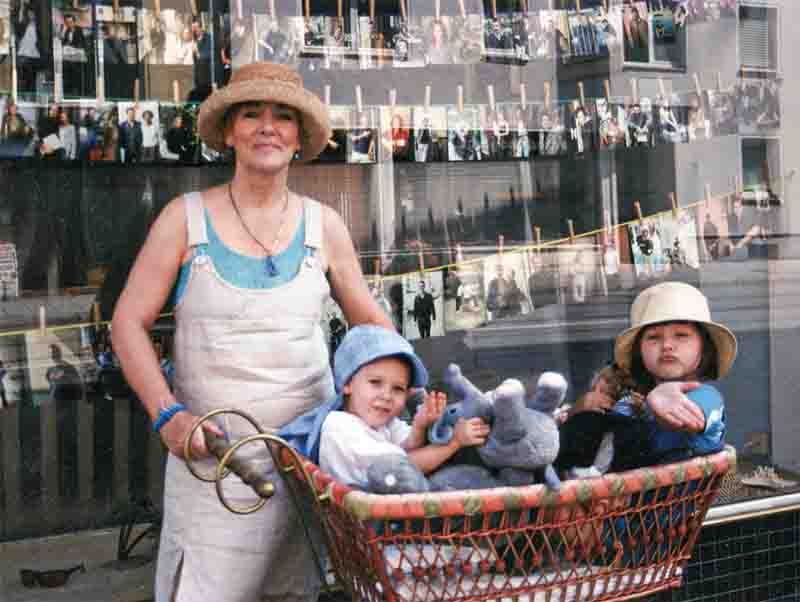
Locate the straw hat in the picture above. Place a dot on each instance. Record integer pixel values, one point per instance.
(267, 82)
(674, 302)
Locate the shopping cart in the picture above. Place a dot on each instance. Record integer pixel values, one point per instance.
(618, 537)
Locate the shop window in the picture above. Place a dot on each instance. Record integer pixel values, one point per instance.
(758, 38)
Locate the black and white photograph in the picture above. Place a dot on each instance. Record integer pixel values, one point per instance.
(498, 137)
(403, 40)
(758, 105)
(74, 55)
(32, 45)
(430, 134)
(240, 46)
(464, 300)
(641, 123)
(334, 325)
(579, 270)
(521, 130)
(325, 39)
(543, 275)
(438, 38)
(277, 39)
(551, 133)
(722, 112)
(698, 124)
(169, 37)
(362, 137)
(505, 281)
(464, 134)
(671, 127)
(17, 129)
(423, 300)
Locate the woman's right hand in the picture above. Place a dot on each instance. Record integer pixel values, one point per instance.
(174, 433)
(472, 431)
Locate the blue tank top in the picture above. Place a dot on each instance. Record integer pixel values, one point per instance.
(244, 271)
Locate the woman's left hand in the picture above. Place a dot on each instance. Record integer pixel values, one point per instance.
(674, 410)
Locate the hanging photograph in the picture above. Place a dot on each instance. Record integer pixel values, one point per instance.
(543, 278)
(98, 132)
(550, 133)
(498, 40)
(430, 134)
(610, 124)
(117, 31)
(670, 125)
(464, 301)
(5, 27)
(277, 39)
(758, 106)
(465, 35)
(464, 134)
(240, 47)
(712, 220)
(679, 241)
(438, 41)
(664, 243)
(640, 121)
(422, 305)
(698, 124)
(580, 270)
(334, 325)
(497, 136)
(546, 39)
(17, 129)
(722, 109)
(521, 130)
(32, 46)
(57, 133)
(139, 132)
(179, 141)
(404, 40)
(167, 37)
(581, 128)
(325, 39)
(583, 35)
(504, 277)
(336, 150)
(74, 52)
(362, 138)
(607, 30)
(636, 32)
(396, 139)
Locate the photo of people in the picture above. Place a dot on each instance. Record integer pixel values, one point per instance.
(499, 40)
(464, 135)
(580, 271)
(550, 134)
(437, 41)
(140, 132)
(396, 139)
(32, 45)
(167, 37)
(334, 325)
(543, 278)
(422, 305)
(17, 129)
(521, 131)
(56, 134)
(611, 124)
(546, 39)
(362, 138)
(664, 243)
(464, 301)
(324, 38)
(758, 105)
(670, 128)
(640, 123)
(722, 112)
(76, 53)
(637, 32)
(504, 276)
(178, 136)
(465, 34)
(240, 46)
(118, 47)
(712, 219)
(497, 138)
(98, 135)
(581, 128)
(430, 134)
(277, 39)
(404, 38)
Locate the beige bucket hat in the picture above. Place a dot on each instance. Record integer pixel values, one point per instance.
(267, 82)
(674, 302)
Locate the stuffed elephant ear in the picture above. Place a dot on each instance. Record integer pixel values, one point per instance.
(476, 403)
(551, 389)
(441, 431)
(396, 474)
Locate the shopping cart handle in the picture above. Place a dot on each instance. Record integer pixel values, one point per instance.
(245, 470)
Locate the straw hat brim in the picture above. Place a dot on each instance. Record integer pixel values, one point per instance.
(724, 341)
(314, 122)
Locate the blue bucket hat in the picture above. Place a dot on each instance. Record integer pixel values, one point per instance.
(366, 343)
(361, 345)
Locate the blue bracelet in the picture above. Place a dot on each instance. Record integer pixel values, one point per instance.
(165, 415)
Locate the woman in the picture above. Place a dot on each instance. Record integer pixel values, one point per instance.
(396, 139)
(254, 264)
(438, 52)
(151, 137)
(14, 132)
(68, 136)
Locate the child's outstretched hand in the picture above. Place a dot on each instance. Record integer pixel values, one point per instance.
(674, 410)
(472, 431)
(430, 410)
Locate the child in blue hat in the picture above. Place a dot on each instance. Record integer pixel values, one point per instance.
(374, 371)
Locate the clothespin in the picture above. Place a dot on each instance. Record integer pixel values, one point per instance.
(194, 7)
(571, 229)
(327, 95)
(157, 7)
(607, 89)
(176, 91)
(697, 87)
(115, 6)
(136, 91)
(239, 10)
(459, 253)
(42, 320)
(460, 97)
(359, 100)
(674, 201)
(96, 314)
(581, 95)
(14, 86)
(661, 88)
(437, 8)
(339, 9)
(578, 5)
(461, 8)
(635, 90)
(637, 207)
(371, 10)
(393, 97)
(523, 96)
(427, 97)
(501, 240)
(607, 221)
(421, 258)
(307, 7)
(494, 9)
(537, 235)
(101, 92)
(708, 195)
(490, 94)
(402, 8)
(377, 264)
(547, 95)
(719, 80)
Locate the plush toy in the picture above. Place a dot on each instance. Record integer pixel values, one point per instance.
(398, 474)
(524, 435)
(472, 403)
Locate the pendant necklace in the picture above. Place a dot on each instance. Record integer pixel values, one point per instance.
(272, 269)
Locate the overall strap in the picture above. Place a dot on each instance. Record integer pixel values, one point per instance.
(195, 220)
(312, 211)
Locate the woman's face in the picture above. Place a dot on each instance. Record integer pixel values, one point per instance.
(672, 351)
(179, 122)
(12, 109)
(265, 136)
(63, 118)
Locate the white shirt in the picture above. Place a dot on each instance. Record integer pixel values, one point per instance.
(27, 45)
(348, 446)
(149, 135)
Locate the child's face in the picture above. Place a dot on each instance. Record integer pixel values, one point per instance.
(672, 351)
(377, 392)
